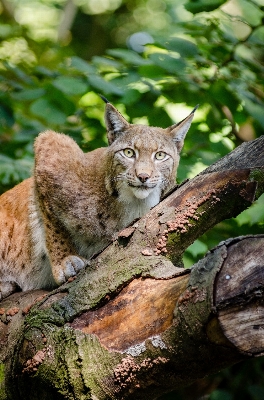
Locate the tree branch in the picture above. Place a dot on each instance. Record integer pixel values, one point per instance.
(133, 324)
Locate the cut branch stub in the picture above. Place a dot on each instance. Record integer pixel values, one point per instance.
(239, 294)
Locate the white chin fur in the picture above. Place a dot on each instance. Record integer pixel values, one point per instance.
(137, 202)
(141, 193)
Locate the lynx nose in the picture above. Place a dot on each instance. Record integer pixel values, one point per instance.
(143, 177)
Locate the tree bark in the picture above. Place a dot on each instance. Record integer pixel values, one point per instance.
(135, 324)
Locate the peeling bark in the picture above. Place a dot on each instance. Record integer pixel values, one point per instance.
(135, 325)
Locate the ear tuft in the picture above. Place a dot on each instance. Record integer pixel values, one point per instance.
(103, 98)
(115, 123)
(178, 131)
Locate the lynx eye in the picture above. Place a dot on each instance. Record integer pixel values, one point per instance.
(129, 153)
(160, 155)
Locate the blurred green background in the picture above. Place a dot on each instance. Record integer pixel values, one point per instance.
(154, 60)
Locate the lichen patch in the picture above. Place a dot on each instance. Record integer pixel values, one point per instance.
(128, 374)
(183, 218)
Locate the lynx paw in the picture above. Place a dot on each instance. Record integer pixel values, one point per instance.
(70, 266)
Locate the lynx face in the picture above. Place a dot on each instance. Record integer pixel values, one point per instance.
(144, 163)
(144, 159)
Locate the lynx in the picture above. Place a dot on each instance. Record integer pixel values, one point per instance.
(53, 222)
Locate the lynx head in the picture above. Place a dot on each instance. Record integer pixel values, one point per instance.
(143, 160)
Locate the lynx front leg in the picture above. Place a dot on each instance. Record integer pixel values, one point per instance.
(65, 263)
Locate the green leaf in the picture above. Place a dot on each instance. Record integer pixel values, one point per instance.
(151, 71)
(45, 109)
(159, 117)
(196, 6)
(106, 62)
(59, 99)
(70, 85)
(257, 37)
(44, 72)
(253, 214)
(169, 63)
(220, 91)
(104, 86)
(28, 94)
(249, 12)
(19, 73)
(129, 56)
(197, 248)
(131, 96)
(14, 171)
(255, 110)
(6, 116)
(81, 65)
(184, 47)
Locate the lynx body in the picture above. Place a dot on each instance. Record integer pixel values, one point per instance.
(53, 222)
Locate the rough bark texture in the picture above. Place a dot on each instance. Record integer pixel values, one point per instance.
(135, 324)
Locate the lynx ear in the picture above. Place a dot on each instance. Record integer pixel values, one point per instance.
(178, 131)
(115, 123)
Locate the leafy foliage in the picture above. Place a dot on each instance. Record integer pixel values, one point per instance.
(206, 52)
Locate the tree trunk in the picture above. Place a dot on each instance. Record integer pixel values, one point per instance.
(135, 324)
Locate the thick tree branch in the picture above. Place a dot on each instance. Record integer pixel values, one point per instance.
(134, 324)
(155, 335)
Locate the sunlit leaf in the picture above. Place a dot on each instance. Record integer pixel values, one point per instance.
(128, 56)
(247, 11)
(169, 63)
(106, 62)
(254, 214)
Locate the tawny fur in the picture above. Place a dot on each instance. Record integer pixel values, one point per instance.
(53, 222)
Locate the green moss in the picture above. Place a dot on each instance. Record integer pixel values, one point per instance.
(257, 175)
(2, 380)
(2, 373)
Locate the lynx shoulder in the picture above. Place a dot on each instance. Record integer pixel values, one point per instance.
(53, 222)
